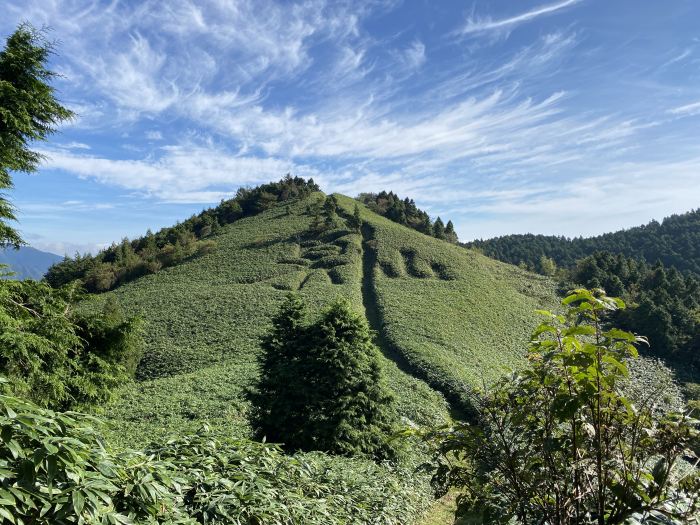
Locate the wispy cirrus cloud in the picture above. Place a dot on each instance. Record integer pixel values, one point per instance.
(475, 25)
(183, 102)
(686, 110)
(183, 173)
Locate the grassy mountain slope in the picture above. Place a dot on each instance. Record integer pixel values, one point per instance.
(457, 319)
(205, 317)
(27, 262)
(463, 319)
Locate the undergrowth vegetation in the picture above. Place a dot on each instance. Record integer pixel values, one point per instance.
(55, 468)
(60, 358)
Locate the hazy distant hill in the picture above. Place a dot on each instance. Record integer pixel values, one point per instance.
(28, 262)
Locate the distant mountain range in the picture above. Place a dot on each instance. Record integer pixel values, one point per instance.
(28, 262)
(675, 242)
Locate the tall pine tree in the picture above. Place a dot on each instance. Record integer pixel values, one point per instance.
(439, 229)
(322, 387)
(29, 112)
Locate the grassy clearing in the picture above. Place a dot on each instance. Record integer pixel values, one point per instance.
(442, 512)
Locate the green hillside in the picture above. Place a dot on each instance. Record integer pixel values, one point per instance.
(447, 317)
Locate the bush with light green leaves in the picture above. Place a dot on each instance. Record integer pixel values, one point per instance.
(560, 443)
(56, 469)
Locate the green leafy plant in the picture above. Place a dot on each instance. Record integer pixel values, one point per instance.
(56, 469)
(560, 443)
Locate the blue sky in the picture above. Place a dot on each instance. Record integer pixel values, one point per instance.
(570, 117)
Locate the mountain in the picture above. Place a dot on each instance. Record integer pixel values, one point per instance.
(675, 242)
(28, 262)
(447, 318)
(448, 321)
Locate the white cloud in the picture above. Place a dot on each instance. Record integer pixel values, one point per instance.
(186, 173)
(74, 145)
(489, 24)
(154, 135)
(415, 54)
(687, 110)
(630, 194)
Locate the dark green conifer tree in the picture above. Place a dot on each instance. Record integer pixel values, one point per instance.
(450, 234)
(355, 220)
(322, 387)
(281, 399)
(439, 229)
(29, 112)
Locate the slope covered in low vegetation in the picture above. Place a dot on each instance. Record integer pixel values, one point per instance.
(455, 318)
(205, 319)
(440, 309)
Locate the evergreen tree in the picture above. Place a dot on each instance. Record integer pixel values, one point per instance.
(330, 209)
(322, 387)
(29, 112)
(351, 410)
(439, 229)
(282, 399)
(450, 234)
(355, 221)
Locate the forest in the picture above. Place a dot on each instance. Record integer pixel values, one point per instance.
(675, 242)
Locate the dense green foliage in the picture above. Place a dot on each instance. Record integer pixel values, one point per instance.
(666, 304)
(560, 443)
(129, 260)
(406, 213)
(56, 469)
(29, 112)
(322, 387)
(675, 242)
(59, 358)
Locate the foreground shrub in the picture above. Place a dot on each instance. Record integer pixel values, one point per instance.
(560, 443)
(56, 469)
(59, 358)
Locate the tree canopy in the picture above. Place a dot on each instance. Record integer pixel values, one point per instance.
(29, 112)
(405, 211)
(322, 387)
